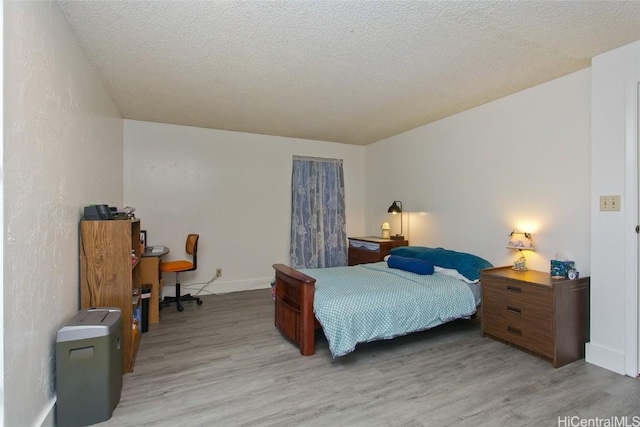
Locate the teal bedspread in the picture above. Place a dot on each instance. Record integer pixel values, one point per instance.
(371, 302)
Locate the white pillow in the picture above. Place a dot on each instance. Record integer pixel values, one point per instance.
(453, 273)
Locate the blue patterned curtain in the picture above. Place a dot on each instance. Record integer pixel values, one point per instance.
(318, 231)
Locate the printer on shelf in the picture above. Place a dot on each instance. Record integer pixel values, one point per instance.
(97, 212)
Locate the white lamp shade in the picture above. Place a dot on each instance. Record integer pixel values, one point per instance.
(521, 241)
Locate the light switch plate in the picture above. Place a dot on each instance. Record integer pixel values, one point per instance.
(610, 203)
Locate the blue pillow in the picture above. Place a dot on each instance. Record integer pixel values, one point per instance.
(468, 265)
(414, 265)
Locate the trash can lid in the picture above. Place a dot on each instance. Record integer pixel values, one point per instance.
(90, 323)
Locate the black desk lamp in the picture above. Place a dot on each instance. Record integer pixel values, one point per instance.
(394, 209)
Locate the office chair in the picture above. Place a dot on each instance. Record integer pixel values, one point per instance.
(179, 267)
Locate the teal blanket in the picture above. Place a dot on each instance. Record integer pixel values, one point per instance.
(371, 302)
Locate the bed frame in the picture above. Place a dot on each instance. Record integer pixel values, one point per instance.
(294, 316)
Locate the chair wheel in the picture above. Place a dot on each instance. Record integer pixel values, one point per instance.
(198, 302)
(180, 308)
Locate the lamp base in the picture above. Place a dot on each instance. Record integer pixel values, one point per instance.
(397, 237)
(519, 265)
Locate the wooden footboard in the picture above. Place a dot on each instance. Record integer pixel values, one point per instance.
(294, 307)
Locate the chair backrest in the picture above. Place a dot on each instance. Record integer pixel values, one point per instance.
(192, 248)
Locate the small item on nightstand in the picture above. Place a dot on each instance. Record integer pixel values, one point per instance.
(573, 274)
(385, 230)
(560, 269)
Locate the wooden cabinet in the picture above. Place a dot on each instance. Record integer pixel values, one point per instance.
(110, 277)
(371, 249)
(528, 309)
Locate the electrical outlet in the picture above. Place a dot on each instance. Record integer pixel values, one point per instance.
(218, 272)
(610, 203)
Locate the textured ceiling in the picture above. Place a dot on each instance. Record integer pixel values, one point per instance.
(344, 71)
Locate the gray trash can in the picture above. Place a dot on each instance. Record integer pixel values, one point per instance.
(88, 367)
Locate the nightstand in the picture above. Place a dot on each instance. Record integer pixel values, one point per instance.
(544, 316)
(371, 249)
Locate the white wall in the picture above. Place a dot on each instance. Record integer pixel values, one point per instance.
(612, 278)
(232, 188)
(2, 226)
(62, 150)
(521, 162)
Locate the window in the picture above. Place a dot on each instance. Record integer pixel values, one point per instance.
(318, 230)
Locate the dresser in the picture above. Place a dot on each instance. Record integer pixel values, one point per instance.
(363, 250)
(529, 310)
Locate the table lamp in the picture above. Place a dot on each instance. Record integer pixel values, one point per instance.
(520, 241)
(395, 209)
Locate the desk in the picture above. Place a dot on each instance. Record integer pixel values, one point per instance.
(150, 275)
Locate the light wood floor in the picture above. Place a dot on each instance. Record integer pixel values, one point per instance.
(225, 364)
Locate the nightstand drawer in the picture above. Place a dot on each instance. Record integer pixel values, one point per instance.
(360, 256)
(522, 334)
(518, 293)
(518, 316)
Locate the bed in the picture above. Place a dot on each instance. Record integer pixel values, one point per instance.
(415, 289)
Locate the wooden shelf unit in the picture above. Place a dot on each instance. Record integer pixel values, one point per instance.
(109, 276)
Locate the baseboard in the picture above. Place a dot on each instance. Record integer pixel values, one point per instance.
(48, 417)
(605, 358)
(221, 287)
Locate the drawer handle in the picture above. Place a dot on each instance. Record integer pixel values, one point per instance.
(514, 310)
(514, 331)
(514, 289)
